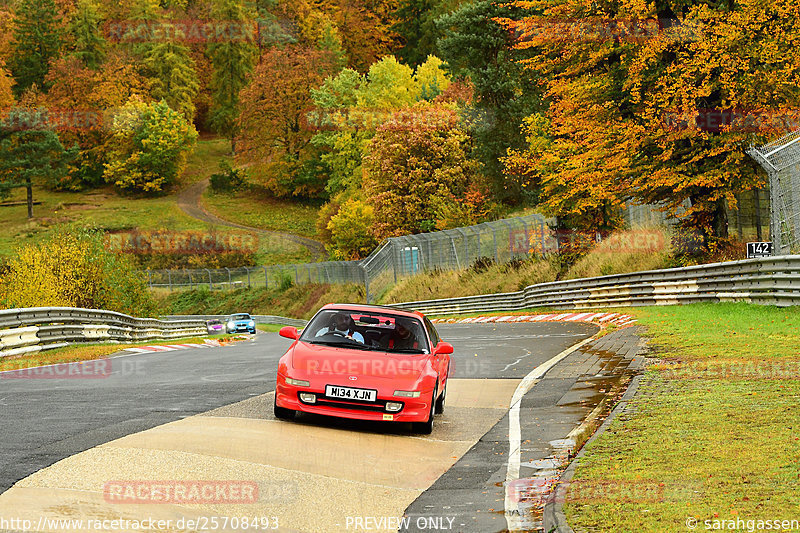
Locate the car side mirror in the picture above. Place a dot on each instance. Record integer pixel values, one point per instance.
(290, 332)
(443, 348)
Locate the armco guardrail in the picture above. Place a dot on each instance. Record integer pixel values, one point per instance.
(260, 319)
(42, 328)
(771, 281)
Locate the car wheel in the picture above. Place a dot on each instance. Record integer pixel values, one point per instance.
(440, 401)
(426, 428)
(282, 413)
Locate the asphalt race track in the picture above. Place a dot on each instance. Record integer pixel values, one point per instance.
(205, 414)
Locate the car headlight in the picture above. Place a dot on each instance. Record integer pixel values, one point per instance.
(407, 393)
(231, 325)
(252, 323)
(297, 382)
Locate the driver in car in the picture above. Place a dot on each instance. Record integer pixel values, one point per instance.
(342, 325)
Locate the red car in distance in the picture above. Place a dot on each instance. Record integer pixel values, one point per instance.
(365, 362)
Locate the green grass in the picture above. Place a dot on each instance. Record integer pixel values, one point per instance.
(105, 209)
(258, 209)
(269, 328)
(713, 433)
(101, 208)
(205, 159)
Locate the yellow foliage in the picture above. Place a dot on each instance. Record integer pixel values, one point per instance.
(72, 270)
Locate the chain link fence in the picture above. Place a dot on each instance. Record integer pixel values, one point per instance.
(781, 160)
(396, 258)
(748, 220)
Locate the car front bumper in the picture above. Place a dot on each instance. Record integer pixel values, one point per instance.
(414, 409)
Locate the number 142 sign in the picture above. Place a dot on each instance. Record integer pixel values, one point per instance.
(759, 249)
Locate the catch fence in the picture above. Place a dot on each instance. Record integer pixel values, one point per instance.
(396, 258)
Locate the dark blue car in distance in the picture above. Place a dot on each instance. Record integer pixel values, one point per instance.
(240, 323)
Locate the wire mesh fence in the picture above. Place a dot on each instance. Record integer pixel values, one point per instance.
(781, 160)
(396, 258)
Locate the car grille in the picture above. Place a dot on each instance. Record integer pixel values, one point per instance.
(379, 406)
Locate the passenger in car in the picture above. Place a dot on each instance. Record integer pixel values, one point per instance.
(403, 338)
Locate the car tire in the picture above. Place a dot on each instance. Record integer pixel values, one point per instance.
(440, 401)
(426, 428)
(282, 413)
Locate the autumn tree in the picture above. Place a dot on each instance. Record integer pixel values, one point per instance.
(6, 92)
(233, 62)
(37, 36)
(275, 137)
(87, 96)
(418, 176)
(151, 144)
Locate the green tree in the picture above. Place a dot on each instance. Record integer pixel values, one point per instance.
(31, 155)
(476, 47)
(233, 62)
(174, 78)
(390, 86)
(90, 46)
(37, 35)
(416, 26)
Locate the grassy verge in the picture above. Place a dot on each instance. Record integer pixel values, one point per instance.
(269, 328)
(712, 436)
(87, 352)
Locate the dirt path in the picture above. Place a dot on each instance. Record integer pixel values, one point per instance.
(189, 200)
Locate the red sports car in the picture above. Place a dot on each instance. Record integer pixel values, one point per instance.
(365, 362)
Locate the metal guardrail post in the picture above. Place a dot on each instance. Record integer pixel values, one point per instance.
(248, 276)
(149, 278)
(169, 278)
(229, 277)
(189, 274)
(210, 282)
(266, 279)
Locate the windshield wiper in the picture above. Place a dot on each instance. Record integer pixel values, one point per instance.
(343, 344)
(405, 350)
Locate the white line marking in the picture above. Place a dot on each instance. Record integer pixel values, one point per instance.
(509, 365)
(513, 518)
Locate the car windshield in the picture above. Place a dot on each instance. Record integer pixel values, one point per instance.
(240, 317)
(373, 331)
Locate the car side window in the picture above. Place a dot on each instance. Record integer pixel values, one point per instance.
(432, 333)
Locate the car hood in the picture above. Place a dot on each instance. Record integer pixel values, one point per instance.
(315, 359)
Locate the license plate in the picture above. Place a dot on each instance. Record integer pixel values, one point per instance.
(349, 393)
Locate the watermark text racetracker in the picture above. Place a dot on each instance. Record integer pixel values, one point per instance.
(194, 523)
(186, 242)
(193, 492)
(93, 369)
